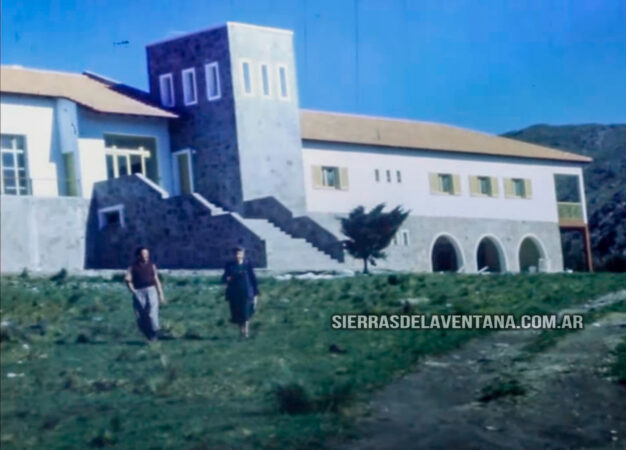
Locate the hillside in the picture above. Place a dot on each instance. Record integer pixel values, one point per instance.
(605, 181)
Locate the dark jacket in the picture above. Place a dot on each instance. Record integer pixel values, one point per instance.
(240, 281)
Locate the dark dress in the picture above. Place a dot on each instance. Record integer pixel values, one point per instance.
(241, 287)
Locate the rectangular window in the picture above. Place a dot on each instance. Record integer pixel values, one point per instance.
(518, 187)
(212, 74)
(126, 155)
(445, 183)
(189, 86)
(399, 176)
(283, 82)
(484, 184)
(389, 176)
(246, 77)
(330, 177)
(14, 178)
(377, 175)
(265, 80)
(394, 240)
(166, 87)
(111, 216)
(405, 237)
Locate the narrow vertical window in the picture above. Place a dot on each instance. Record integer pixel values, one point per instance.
(377, 175)
(189, 86)
(166, 87)
(71, 188)
(212, 75)
(389, 176)
(283, 82)
(405, 237)
(399, 176)
(246, 77)
(265, 80)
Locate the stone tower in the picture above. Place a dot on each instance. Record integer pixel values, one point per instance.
(241, 120)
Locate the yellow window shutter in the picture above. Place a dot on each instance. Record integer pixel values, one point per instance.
(528, 190)
(494, 187)
(317, 176)
(508, 188)
(473, 183)
(433, 178)
(456, 183)
(343, 178)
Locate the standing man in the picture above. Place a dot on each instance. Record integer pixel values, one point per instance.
(241, 290)
(143, 282)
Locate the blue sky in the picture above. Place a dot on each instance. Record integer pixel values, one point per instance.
(490, 65)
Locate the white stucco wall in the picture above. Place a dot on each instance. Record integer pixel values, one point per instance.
(33, 117)
(56, 126)
(93, 127)
(414, 190)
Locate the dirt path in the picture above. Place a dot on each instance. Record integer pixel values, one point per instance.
(569, 403)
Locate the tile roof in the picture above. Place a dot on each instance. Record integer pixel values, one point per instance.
(369, 130)
(89, 90)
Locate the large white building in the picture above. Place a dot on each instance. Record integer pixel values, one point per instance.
(219, 153)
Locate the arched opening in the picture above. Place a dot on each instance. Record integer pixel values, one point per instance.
(531, 256)
(445, 255)
(489, 256)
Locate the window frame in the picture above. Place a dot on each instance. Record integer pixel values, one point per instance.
(489, 192)
(521, 182)
(142, 152)
(377, 175)
(186, 86)
(336, 174)
(14, 151)
(287, 95)
(242, 63)
(398, 176)
(170, 77)
(102, 212)
(262, 80)
(448, 176)
(208, 68)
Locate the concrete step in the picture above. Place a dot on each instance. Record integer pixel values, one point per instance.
(284, 252)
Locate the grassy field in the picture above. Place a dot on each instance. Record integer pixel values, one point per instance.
(76, 373)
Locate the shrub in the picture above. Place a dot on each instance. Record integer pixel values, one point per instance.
(292, 399)
(501, 387)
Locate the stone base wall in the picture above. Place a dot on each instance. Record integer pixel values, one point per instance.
(467, 234)
(180, 231)
(43, 234)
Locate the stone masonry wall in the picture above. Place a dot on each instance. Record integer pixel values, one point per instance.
(207, 127)
(180, 232)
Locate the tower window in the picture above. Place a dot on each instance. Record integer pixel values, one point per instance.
(283, 82)
(212, 74)
(189, 86)
(166, 87)
(246, 76)
(265, 80)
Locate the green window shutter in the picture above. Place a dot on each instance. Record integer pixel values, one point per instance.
(317, 176)
(528, 190)
(343, 178)
(494, 187)
(433, 178)
(474, 187)
(456, 183)
(508, 188)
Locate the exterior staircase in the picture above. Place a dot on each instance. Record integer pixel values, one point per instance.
(284, 252)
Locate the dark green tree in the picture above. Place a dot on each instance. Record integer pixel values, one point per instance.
(369, 233)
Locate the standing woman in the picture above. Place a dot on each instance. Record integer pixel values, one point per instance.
(143, 282)
(241, 290)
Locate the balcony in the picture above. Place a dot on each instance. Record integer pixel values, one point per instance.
(570, 214)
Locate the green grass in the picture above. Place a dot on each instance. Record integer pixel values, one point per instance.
(83, 376)
(618, 369)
